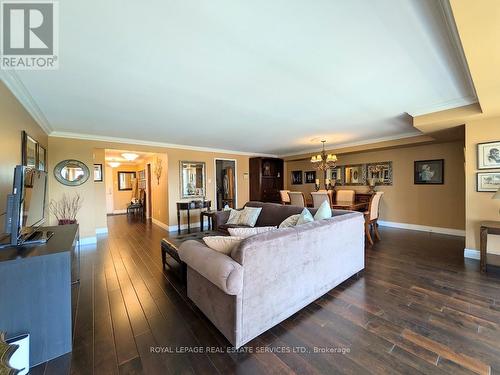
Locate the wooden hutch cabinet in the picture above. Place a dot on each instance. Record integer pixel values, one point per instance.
(266, 179)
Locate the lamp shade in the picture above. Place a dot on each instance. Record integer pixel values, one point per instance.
(497, 195)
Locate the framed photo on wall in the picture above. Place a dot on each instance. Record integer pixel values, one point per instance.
(488, 182)
(29, 151)
(296, 177)
(98, 173)
(429, 172)
(488, 155)
(310, 177)
(42, 159)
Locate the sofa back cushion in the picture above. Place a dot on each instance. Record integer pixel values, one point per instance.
(273, 214)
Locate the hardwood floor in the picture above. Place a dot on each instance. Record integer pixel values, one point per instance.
(418, 308)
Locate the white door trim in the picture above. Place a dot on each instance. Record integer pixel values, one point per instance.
(235, 181)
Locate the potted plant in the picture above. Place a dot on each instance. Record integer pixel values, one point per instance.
(66, 209)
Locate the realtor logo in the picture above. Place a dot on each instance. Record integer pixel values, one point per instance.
(29, 39)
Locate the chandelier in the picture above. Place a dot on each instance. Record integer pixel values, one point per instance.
(324, 161)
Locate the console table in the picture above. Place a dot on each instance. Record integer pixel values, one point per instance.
(487, 227)
(35, 293)
(188, 206)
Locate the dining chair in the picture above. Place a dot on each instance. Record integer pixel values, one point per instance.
(345, 196)
(371, 217)
(319, 197)
(297, 198)
(285, 199)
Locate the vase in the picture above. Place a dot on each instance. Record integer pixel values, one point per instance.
(66, 221)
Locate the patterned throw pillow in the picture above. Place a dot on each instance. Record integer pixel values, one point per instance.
(248, 232)
(305, 217)
(222, 244)
(290, 221)
(234, 216)
(249, 216)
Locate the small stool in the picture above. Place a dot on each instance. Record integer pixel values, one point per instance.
(210, 214)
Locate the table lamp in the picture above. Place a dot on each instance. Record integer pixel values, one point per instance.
(497, 195)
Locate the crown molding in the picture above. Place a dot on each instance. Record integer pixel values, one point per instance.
(443, 106)
(336, 146)
(16, 86)
(90, 137)
(454, 37)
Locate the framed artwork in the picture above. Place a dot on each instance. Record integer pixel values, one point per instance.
(42, 159)
(355, 174)
(310, 177)
(29, 151)
(488, 182)
(98, 173)
(380, 172)
(336, 175)
(296, 177)
(429, 172)
(488, 155)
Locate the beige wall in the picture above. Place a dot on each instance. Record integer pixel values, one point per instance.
(403, 202)
(13, 120)
(159, 188)
(177, 155)
(479, 206)
(99, 189)
(122, 198)
(165, 194)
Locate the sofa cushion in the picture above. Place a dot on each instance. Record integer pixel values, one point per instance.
(222, 244)
(324, 211)
(305, 217)
(273, 214)
(248, 232)
(289, 222)
(249, 215)
(234, 217)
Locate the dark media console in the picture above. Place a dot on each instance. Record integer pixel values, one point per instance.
(35, 292)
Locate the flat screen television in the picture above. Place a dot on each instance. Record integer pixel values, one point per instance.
(26, 206)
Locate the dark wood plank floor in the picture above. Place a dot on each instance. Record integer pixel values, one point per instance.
(419, 308)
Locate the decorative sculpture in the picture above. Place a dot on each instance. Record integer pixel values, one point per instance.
(158, 169)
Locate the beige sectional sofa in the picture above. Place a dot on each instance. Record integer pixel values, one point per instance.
(271, 276)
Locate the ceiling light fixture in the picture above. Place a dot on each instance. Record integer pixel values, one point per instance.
(324, 161)
(114, 164)
(130, 156)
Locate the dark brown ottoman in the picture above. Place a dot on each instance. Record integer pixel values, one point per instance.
(170, 251)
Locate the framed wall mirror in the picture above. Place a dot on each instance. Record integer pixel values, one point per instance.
(71, 172)
(192, 179)
(336, 175)
(355, 174)
(126, 180)
(380, 172)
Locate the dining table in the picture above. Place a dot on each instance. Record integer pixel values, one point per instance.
(351, 206)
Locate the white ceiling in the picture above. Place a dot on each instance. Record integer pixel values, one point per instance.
(116, 155)
(256, 76)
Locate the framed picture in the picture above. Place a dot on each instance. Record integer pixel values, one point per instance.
(29, 151)
(296, 177)
(488, 155)
(336, 175)
(355, 174)
(488, 181)
(42, 159)
(310, 177)
(429, 172)
(97, 172)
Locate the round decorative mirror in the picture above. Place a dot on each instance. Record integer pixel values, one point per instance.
(71, 172)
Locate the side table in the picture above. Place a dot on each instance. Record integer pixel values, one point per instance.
(210, 214)
(487, 227)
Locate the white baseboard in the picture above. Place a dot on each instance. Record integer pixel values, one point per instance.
(423, 228)
(471, 254)
(118, 212)
(173, 228)
(88, 240)
(159, 223)
(103, 230)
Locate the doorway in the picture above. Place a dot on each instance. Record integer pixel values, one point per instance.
(225, 183)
